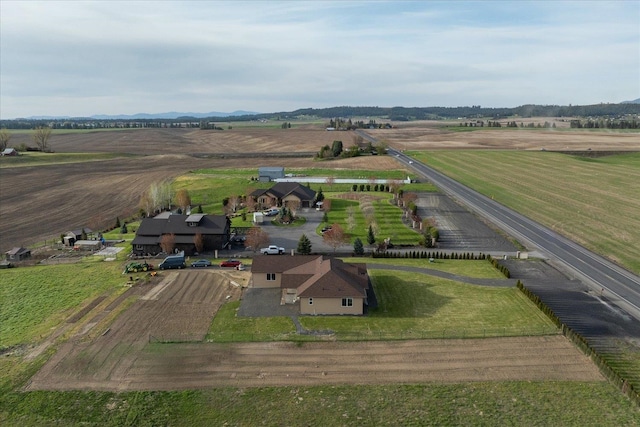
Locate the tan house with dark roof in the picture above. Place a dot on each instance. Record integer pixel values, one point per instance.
(319, 284)
(285, 194)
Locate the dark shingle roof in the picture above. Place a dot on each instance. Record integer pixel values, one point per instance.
(177, 224)
(283, 189)
(315, 276)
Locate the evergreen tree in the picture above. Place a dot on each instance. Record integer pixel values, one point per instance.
(371, 238)
(358, 248)
(319, 195)
(304, 245)
(124, 229)
(117, 222)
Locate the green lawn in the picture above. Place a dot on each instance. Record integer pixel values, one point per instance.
(350, 214)
(35, 300)
(520, 403)
(593, 201)
(481, 269)
(419, 305)
(410, 306)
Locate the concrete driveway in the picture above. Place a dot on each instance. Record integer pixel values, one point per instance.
(288, 237)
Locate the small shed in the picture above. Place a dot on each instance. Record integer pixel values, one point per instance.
(258, 217)
(17, 254)
(9, 152)
(267, 174)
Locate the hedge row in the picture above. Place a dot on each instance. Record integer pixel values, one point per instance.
(428, 255)
(502, 268)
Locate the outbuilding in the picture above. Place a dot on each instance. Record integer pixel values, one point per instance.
(267, 174)
(17, 254)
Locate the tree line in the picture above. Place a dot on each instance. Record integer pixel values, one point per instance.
(393, 113)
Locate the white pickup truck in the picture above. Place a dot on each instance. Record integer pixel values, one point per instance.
(272, 250)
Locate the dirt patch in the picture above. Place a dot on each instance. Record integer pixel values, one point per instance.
(132, 353)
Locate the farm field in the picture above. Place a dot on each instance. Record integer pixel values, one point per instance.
(594, 201)
(113, 186)
(435, 136)
(70, 191)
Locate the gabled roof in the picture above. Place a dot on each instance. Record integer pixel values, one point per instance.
(316, 276)
(283, 189)
(17, 251)
(151, 229)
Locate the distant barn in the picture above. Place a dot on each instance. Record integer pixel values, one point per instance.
(267, 174)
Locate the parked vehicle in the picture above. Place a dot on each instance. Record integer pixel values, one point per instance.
(230, 263)
(271, 212)
(173, 261)
(201, 263)
(272, 250)
(136, 267)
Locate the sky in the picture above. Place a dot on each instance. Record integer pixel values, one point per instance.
(82, 58)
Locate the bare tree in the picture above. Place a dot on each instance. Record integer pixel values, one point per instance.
(330, 181)
(293, 206)
(233, 203)
(5, 136)
(335, 237)
(256, 237)
(326, 205)
(198, 241)
(183, 199)
(41, 136)
(407, 198)
(249, 201)
(168, 242)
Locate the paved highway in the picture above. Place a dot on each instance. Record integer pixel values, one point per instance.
(618, 284)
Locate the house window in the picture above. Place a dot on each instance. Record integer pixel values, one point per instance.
(139, 247)
(271, 276)
(347, 302)
(310, 301)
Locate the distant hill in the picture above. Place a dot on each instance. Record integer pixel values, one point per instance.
(635, 101)
(148, 116)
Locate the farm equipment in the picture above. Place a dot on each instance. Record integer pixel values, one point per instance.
(136, 267)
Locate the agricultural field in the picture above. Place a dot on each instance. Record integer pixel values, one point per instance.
(594, 201)
(93, 177)
(95, 331)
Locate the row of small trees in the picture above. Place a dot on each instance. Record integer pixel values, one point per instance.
(40, 137)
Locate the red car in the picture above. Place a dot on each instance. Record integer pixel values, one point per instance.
(230, 263)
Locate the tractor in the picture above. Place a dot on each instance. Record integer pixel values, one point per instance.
(136, 267)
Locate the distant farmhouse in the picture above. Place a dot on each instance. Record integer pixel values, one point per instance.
(319, 284)
(9, 152)
(214, 229)
(284, 193)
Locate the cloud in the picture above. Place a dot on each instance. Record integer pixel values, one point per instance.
(82, 58)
